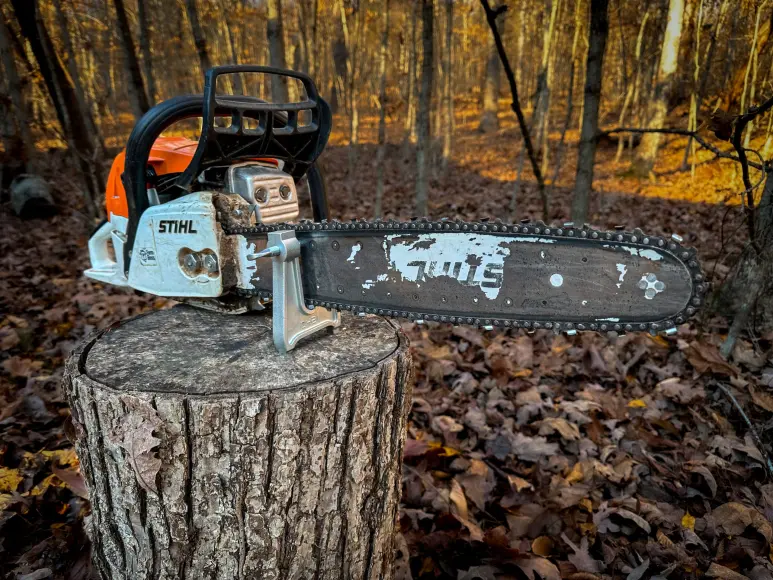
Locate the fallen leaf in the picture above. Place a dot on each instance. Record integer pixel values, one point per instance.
(414, 448)
(567, 430)
(542, 546)
(21, 367)
(705, 357)
(458, 500)
(535, 567)
(733, 518)
(688, 521)
(135, 435)
(761, 399)
(639, 571)
(73, 480)
(637, 404)
(478, 482)
(581, 558)
(518, 484)
(532, 448)
(9, 479)
(723, 573)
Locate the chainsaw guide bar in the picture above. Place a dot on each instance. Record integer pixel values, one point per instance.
(490, 274)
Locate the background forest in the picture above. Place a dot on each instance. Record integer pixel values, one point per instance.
(577, 457)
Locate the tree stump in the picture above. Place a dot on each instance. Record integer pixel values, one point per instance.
(207, 454)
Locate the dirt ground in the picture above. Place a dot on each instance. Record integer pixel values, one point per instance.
(528, 455)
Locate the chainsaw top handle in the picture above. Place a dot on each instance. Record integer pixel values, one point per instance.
(273, 132)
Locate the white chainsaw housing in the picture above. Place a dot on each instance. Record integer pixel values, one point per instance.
(177, 247)
(166, 234)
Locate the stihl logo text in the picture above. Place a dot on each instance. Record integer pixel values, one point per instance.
(176, 227)
(492, 273)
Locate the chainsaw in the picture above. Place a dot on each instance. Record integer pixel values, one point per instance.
(214, 223)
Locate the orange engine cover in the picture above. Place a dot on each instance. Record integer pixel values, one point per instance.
(168, 155)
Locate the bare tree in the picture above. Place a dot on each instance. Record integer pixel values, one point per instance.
(448, 97)
(62, 93)
(647, 151)
(425, 102)
(199, 40)
(515, 105)
(137, 95)
(489, 120)
(382, 109)
(410, 116)
(597, 41)
(17, 96)
(276, 49)
(147, 57)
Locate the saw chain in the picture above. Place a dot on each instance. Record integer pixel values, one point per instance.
(635, 240)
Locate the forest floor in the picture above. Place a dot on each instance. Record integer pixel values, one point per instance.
(577, 457)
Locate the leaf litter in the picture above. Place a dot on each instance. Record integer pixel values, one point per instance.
(528, 455)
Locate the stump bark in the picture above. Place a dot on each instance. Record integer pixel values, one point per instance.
(209, 455)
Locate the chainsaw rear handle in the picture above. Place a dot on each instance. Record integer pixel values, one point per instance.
(298, 147)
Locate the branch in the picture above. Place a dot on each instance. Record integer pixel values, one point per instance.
(491, 17)
(684, 132)
(755, 436)
(740, 126)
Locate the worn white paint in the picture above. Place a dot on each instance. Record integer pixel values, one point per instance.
(247, 266)
(368, 284)
(557, 280)
(607, 320)
(584, 302)
(425, 255)
(623, 271)
(355, 248)
(542, 254)
(652, 255)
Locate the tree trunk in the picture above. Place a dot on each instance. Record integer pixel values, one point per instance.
(209, 455)
(147, 57)
(448, 97)
(62, 93)
(237, 79)
(199, 40)
(75, 76)
(137, 95)
(382, 110)
(597, 41)
(647, 151)
(425, 102)
(489, 120)
(542, 105)
(352, 49)
(410, 116)
(739, 83)
(276, 49)
(633, 86)
(17, 98)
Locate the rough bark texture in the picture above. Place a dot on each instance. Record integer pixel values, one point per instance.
(276, 49)
(199, 40)
(597, 41)
(425, 104)
(136, 85)
(209, 455)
